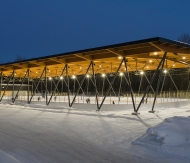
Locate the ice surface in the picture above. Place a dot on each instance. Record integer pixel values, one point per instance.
(58, 134)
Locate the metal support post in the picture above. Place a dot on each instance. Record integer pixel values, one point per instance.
(14, 98)
(148, 87)
(7, 86)
(173, 81)
(56, 84)
(94, 77)
(36, 86)
(157, 87)
(149, 83)
(68, 90)
(28, 92)
(129, 84)
(1, 83)
(110, 86)
(80, 85)
(140, 84)
(13, 88)
(46, 90)
(119, 89)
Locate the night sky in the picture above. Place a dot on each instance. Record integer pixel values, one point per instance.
(34, 28)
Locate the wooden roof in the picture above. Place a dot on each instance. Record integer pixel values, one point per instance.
(141, 55)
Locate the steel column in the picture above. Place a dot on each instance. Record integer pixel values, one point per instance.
(116, 73)
(140, 84)
(28, 91)
(157, 87)
(148, 87)
(14, 98)
(13, 88)
(111, 85)
(173, 81)
(36, 86)
(129, 84)
(56, 85)
(46, 90)
(80, 85)
(1, 83)
(68, 90)
(7, 86)
(94, 76)
(149, 83)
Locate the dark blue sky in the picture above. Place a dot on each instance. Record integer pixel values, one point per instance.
(34, 28)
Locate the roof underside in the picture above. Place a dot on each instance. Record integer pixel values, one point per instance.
(140, 55)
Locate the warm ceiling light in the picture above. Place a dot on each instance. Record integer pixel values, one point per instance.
(141, 72)
(80, 67)
(165, 71)
(119, 57)
(183, 57)
(103, 75)
(121, 73)
(36, 72)
(50, 78)
(61, 77)
(73, 77)
(173, 65)
(155, 53)
(150, 61)
(87, 76)
(100, 66)
(147, 67)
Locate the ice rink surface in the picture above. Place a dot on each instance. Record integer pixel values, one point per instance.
(58, 134)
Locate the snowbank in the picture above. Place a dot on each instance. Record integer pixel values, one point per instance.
(172, 136)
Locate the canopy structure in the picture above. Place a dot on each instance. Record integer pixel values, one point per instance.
(140, 55)
(154, 54)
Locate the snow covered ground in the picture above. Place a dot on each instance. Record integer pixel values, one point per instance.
(56, 134)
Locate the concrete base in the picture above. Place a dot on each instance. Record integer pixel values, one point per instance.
(135, 113)
(12, 103)
(151, 111)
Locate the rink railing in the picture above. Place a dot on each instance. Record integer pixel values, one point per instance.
(125, 98)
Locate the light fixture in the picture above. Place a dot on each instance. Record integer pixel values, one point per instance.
(165, 71)
(141, 72)
(173, 65)
(103, 75)
(36, 72)
(155, 53)
(121, 73)
(73, 77)
(100, 66)
(50, 78)
(150, 61)
(80, 67)
(61, 77)
(183, 57)
(147, 67)
(119, 57)
(87, 76)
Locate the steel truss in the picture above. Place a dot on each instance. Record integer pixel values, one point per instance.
(64, 76)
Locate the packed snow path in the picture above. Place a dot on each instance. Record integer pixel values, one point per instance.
(41, 135)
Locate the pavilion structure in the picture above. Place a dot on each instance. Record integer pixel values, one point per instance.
(154, 54)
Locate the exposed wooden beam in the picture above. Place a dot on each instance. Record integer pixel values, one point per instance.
(86, 57)
(117, 53)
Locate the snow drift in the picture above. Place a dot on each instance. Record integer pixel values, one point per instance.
(172, 136)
